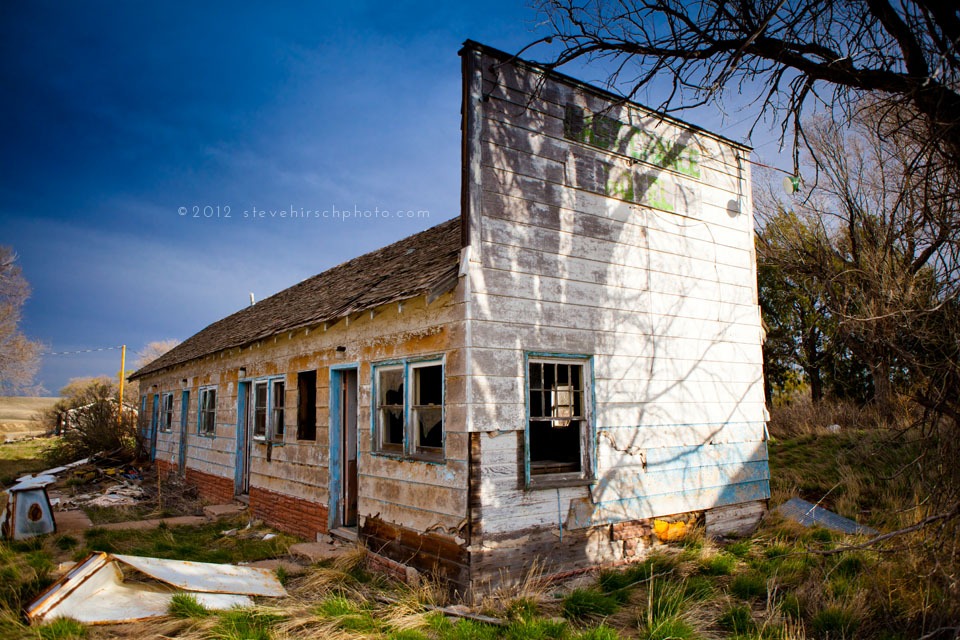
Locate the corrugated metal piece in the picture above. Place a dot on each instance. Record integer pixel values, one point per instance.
(99, 580)
(809, 514)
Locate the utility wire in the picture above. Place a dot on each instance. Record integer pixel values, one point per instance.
(73, 353)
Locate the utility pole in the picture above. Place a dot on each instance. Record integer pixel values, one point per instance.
(123, 374)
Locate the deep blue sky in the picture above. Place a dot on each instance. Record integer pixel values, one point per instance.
(116, 114)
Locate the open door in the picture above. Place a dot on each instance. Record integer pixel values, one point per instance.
(154, 425)
(244, 441)
(184, 413)
(343, 448)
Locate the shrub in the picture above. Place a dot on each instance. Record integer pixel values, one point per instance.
(94, 425)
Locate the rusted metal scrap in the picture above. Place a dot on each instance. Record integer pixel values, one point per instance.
(94, 591)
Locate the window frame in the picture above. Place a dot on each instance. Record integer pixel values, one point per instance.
(202, 394)
(277, 425)
(408, 449)
(269, 409)
(588, 439)
(166, 412)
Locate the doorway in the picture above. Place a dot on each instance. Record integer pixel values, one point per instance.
(344, 475)
(184, 413)
(242, 477)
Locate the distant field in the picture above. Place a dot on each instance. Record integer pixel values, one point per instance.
(17, 413)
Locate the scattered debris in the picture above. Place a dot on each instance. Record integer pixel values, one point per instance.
(809, 514)
(100, 579)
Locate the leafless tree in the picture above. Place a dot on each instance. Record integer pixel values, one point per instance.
(19, 356)
(153, 350)
(789, 54)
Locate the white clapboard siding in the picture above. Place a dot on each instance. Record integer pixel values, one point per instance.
(663, 299)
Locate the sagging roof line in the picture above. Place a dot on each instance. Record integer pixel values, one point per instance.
(420, 265)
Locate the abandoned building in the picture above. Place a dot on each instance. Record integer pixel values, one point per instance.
(571, 361)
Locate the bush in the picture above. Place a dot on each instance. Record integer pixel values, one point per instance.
(93, 425)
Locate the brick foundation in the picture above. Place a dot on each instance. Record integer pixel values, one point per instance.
(288, 514)
(216, 489)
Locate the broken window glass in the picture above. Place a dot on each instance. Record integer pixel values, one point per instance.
(260, 410)
(167, 422)
(208, 411)
(390, 403)
(279, 399)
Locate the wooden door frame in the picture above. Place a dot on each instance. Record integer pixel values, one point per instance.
(337, 480)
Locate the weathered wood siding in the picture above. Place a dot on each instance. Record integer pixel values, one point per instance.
(417, 495)
(636, 249)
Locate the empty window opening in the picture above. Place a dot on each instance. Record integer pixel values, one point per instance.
(427, 409)
(557, 417)
(307, 405)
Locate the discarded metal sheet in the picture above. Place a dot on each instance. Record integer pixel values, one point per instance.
(56, 470)
(28, 512)
(99, 580)
(809, 514)
(208, 577)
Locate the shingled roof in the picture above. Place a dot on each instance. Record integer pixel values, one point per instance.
(422, 264)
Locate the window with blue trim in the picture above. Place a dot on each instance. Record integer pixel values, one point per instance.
(166, 412)
(409, 408)
(269, 398)
(207, 411)
(559, 433)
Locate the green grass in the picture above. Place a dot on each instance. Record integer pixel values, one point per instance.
(748, 586)
(198, 543)
(673, 628)
(62, 629)
(184, 605)
(244, 624)
(581, 604)
(834, 623)
(537, 629)
(720, 564)
(737, 619)
(22, 457)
